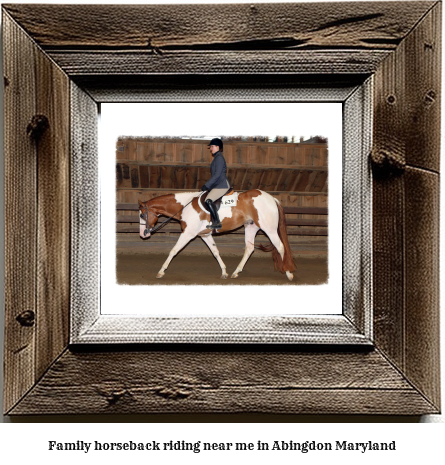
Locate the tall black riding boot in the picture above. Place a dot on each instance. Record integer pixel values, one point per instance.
(214, 215)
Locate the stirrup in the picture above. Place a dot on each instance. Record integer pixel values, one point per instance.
(214, 226)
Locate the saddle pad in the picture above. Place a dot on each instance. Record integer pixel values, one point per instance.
(224, 202)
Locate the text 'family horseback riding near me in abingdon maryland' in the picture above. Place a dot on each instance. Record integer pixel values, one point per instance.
(200, 446)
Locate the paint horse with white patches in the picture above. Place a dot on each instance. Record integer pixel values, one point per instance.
(254, 209)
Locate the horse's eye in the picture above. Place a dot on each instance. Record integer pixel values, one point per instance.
(141, 216)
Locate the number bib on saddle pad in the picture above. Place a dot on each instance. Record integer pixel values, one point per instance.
(224, 202)
(229, 200)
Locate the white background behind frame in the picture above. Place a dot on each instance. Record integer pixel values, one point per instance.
(216, 119)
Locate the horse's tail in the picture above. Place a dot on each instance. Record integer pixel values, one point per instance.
(287, 263)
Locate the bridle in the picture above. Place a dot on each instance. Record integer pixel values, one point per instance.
(147, 230)
(159, 226)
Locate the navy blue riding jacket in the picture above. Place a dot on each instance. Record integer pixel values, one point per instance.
(218, 170)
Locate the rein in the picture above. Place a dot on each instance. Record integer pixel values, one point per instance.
(159, 226)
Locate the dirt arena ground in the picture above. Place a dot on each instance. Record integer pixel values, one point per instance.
(196, 265)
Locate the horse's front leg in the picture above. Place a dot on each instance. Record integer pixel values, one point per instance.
(250, 231)
(212, 246)
(183, 240)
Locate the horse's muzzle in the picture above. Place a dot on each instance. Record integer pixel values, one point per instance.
(144, 232)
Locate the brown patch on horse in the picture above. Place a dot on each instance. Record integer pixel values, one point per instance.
(252, 213)
(165, 205)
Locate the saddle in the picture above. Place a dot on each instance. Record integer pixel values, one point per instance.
(203, 197)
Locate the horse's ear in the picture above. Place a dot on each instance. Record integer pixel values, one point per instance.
(140, 204)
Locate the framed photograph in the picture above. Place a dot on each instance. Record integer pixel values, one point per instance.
(103, 307)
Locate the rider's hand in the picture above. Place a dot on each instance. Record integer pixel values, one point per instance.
(204, 188)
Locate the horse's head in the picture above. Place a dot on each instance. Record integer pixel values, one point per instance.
(147, 219)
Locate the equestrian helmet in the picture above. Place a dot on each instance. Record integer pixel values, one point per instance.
(217, 141)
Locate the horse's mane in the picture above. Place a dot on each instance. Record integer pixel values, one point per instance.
(194, 194)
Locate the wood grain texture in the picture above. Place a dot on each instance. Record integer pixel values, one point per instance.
(407, 113)
(219, 88)
(53, 228)
(388, 268)
(84, 207)
(422, 281)
(122, 63)
(422, 97)
(219, 382)
(43, 206)
(20, 212)
(388, 200)
(406, 135)
(397, 41)
(157, 28)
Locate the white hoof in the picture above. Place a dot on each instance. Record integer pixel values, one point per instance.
(224, 276)
(160, 275)
(289, 275)
(234, 275)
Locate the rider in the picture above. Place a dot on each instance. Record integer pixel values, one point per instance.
(218, 184)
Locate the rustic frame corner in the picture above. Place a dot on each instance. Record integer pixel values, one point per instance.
(79, 68)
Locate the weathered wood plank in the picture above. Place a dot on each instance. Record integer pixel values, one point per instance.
(388, 268)
(53, 228)
(389, 129)
(407, 110)
(191, 178)
(145, 179)
(135, 177)
(119, 175)
(79, 63)
(20, 213)
(422, 281)
(404, 118)
(423, 91)
(82, 381)
(240, 26)
(306, 210)
(85, 242)
(204, 381)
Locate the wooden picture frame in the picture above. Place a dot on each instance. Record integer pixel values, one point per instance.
(59, 69)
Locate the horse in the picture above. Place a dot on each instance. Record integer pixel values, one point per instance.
(255, 209)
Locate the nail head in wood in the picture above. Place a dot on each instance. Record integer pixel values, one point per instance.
(430, 97)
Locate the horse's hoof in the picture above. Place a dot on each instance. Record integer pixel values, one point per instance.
(160, 275)
(234, 275)
(289, 275)
(224, 276)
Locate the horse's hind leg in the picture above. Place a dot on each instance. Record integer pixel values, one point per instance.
(276, 241)
(212, 246)
(250, 233)
(183, 240)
